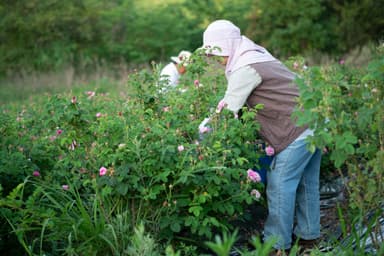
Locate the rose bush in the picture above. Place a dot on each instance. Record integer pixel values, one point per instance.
(142, 153)
(345, 107)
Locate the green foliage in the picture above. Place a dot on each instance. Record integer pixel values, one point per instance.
(57, 220)
(110, 167)
(223, 246)
(358, 22)
(207, 11)
(309, 26)
(45, 35)
(329, 104)
(345, 107)
(178, 184)
(262, 248)
(363, 236)
(288, 30)
(142, 244)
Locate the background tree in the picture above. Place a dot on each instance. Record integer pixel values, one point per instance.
(47, 34)
(357, 22)
(291, 27)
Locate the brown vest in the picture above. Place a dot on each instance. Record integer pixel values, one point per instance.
(278, 94)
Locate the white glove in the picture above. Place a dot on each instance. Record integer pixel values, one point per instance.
(203, 128)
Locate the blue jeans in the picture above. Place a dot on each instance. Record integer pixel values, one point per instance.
(293, 191)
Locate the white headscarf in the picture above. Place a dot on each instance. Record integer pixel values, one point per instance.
(241, 51)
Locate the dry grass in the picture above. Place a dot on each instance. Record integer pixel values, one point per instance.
(24, 86)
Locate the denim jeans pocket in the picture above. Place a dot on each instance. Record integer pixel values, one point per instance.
(273, 163)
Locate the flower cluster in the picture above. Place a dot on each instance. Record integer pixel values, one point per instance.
(254, 177)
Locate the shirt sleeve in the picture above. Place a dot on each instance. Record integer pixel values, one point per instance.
(241, 83)
(169, 75)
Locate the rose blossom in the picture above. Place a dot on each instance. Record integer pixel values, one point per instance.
(102, 171)
(255, 193)
(270, 151)
(90, 94)
(121, 145)
(253, 176)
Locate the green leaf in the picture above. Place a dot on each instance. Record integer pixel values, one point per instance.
(195, 210)
(175, 226)
(122, 189)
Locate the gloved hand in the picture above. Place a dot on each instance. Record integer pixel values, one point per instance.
(203, 128)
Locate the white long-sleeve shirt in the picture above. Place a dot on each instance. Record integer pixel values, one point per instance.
(170, 75)
(241, 83)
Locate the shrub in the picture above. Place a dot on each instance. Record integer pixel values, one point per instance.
(97, 155)
(345, 107)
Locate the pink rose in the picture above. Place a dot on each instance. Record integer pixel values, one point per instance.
(102, 171)
(255, 193)
(90, 94)
(180, 148)
(253, 176)
(270, 151)
(36, 173)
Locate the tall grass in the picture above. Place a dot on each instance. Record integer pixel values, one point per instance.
(91, 224)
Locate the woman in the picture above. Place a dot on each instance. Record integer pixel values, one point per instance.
(254, 76)
(171, 73)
